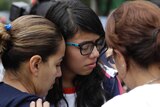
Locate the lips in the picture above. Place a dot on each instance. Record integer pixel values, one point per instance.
(91, 65)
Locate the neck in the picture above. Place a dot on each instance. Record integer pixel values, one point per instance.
(156, 80)
(14, 82)
(67, 79)
(146, 76)
(17, 83)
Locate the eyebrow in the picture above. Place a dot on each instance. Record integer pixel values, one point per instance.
(91, 40)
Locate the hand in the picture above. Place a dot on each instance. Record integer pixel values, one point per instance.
(39, 103)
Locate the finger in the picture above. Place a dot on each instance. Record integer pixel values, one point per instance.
(39, 103)
(46, 104)
(32, 104)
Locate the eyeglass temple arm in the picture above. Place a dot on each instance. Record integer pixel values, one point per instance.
(72, 44)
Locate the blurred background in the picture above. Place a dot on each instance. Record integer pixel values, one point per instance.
(101, 7)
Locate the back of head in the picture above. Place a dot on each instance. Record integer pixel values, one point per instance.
(73, 16)
(29, 35)
(134, 29)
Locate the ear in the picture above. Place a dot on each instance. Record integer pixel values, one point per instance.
(121, 64)
(34, 64)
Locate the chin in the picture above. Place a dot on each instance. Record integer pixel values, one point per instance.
(45, 94)
(86, 72)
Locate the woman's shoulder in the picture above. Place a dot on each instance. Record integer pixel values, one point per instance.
(141, 96)
(11, 97)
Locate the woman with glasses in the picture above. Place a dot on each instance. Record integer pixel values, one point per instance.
(133, 31)
(83, 82)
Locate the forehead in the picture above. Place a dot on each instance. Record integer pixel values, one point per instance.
(84, 36)
(60, 53)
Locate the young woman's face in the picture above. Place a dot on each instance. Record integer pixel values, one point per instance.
(74, 61)
(49, 71)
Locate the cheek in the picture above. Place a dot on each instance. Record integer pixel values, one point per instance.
(120, 73)
(118, 69)
(72, 52)
(53, 72)
(50, 74)
(46, 80)
(75, 61)
(73, 57)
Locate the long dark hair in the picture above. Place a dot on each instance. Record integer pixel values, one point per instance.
(71, 17)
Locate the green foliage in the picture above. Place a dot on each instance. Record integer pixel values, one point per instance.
(4, 5)
(86, 2)
(22, 0)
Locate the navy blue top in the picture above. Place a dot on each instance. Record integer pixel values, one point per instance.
(11, 97)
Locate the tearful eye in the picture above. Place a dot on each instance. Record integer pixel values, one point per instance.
(58, 65)
(86, 46)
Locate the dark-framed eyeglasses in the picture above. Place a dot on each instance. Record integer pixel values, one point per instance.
(87, 47)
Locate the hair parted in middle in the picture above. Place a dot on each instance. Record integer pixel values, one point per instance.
(73, 16)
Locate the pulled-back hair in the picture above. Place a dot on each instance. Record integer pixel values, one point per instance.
(29, 35)
(134, 29)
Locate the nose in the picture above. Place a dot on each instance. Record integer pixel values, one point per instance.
(59, 73)
(95, 53)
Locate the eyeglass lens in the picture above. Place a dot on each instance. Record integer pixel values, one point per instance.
(87, 48)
